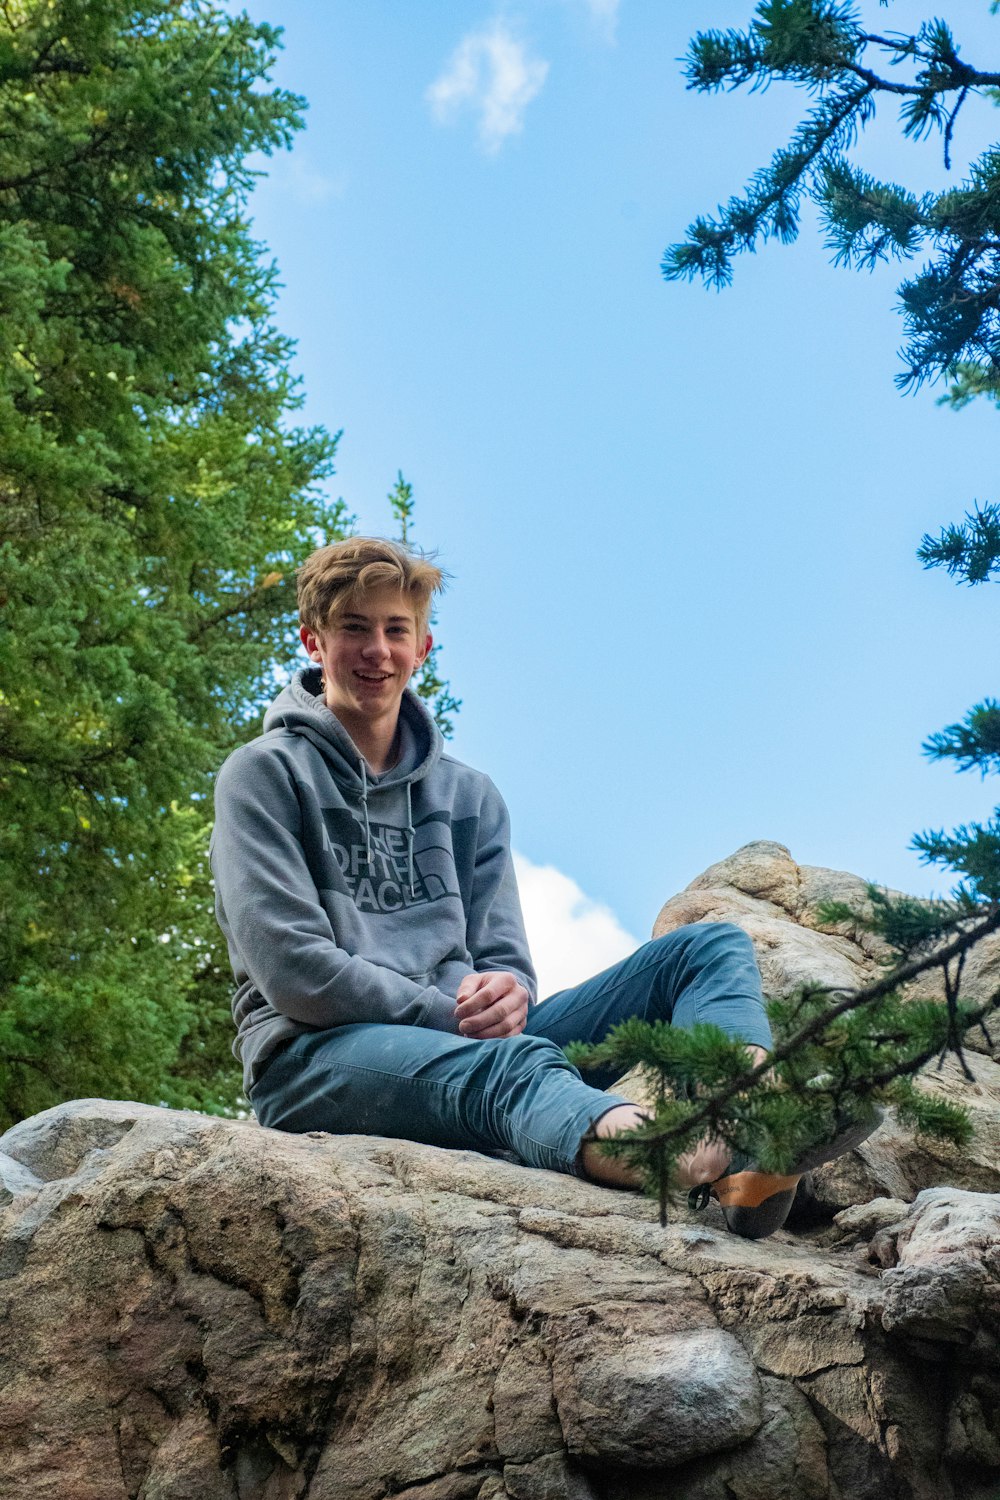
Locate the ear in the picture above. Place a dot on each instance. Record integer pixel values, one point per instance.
(423, 654)
(310, 641)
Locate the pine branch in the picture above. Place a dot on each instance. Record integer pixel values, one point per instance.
(771, 205)
(970, 381)
(972, 850)
(428, 684)
(400, 499)
(909, 926)
(950, 128)
(704, 1116)
(89, 149)
(974, 743)
(867, 220)
(970, 550)
(934, 45)
(878, 989)
(952, 307)
(244, 604)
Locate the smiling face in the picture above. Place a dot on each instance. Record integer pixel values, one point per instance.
(368, 654)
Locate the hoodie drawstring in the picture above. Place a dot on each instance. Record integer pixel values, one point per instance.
(369, 856)
(409, 836)
(410, 830)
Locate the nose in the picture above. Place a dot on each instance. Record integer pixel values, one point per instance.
(376, 648)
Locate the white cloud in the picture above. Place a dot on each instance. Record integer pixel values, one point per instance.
(571, 937)
(490, 70)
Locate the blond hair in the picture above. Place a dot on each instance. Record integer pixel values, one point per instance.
(339, 575)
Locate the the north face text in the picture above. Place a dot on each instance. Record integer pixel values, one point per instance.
(382, 883)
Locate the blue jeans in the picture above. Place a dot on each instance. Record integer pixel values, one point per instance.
(516, 1094)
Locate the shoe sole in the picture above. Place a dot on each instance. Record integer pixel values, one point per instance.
(755, 1204)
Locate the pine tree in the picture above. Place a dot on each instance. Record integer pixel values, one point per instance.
(156, 496)
(838, 1054)
(428, 683)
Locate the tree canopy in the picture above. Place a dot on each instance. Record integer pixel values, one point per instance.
(949, 306)
(156, 496)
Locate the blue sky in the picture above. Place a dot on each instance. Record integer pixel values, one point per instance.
(685, 610)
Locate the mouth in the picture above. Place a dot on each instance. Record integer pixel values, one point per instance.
(374, 677)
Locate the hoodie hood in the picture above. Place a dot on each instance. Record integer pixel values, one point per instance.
(300, 708)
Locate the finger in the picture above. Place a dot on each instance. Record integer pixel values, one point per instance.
(494, 1025)
(494, 1015)
(489, 993)
(496, 1033)
(502, 1019)
(472, 983)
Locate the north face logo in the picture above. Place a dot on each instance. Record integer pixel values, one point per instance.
(383, 883)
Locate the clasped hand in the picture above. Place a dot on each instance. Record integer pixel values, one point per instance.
(493, 1004)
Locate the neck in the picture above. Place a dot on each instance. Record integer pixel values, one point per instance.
(377, 740)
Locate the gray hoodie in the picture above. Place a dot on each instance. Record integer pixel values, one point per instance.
(346, 896)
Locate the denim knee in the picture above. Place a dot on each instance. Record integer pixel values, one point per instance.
(702, 943)
(540, 1107)
(708, 934)
(712, 975)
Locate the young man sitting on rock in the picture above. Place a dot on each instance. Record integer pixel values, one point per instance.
(366, 891)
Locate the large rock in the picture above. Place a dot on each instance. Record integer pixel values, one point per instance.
(776, 901)
(763, 890)
(199, 1309)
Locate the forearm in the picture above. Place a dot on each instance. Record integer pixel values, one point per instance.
(319, 984)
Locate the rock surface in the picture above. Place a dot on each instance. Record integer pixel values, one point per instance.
(764, 891)
(200, 1309)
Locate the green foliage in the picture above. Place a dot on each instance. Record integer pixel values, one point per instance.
(950, 306)
(929, 1114)
(975, 743)
(970, 550)
(156, 497)
(836, 1056)
(909, 926)
(428, 683)
(670, 1057)
(400, 499)
(971, 849)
